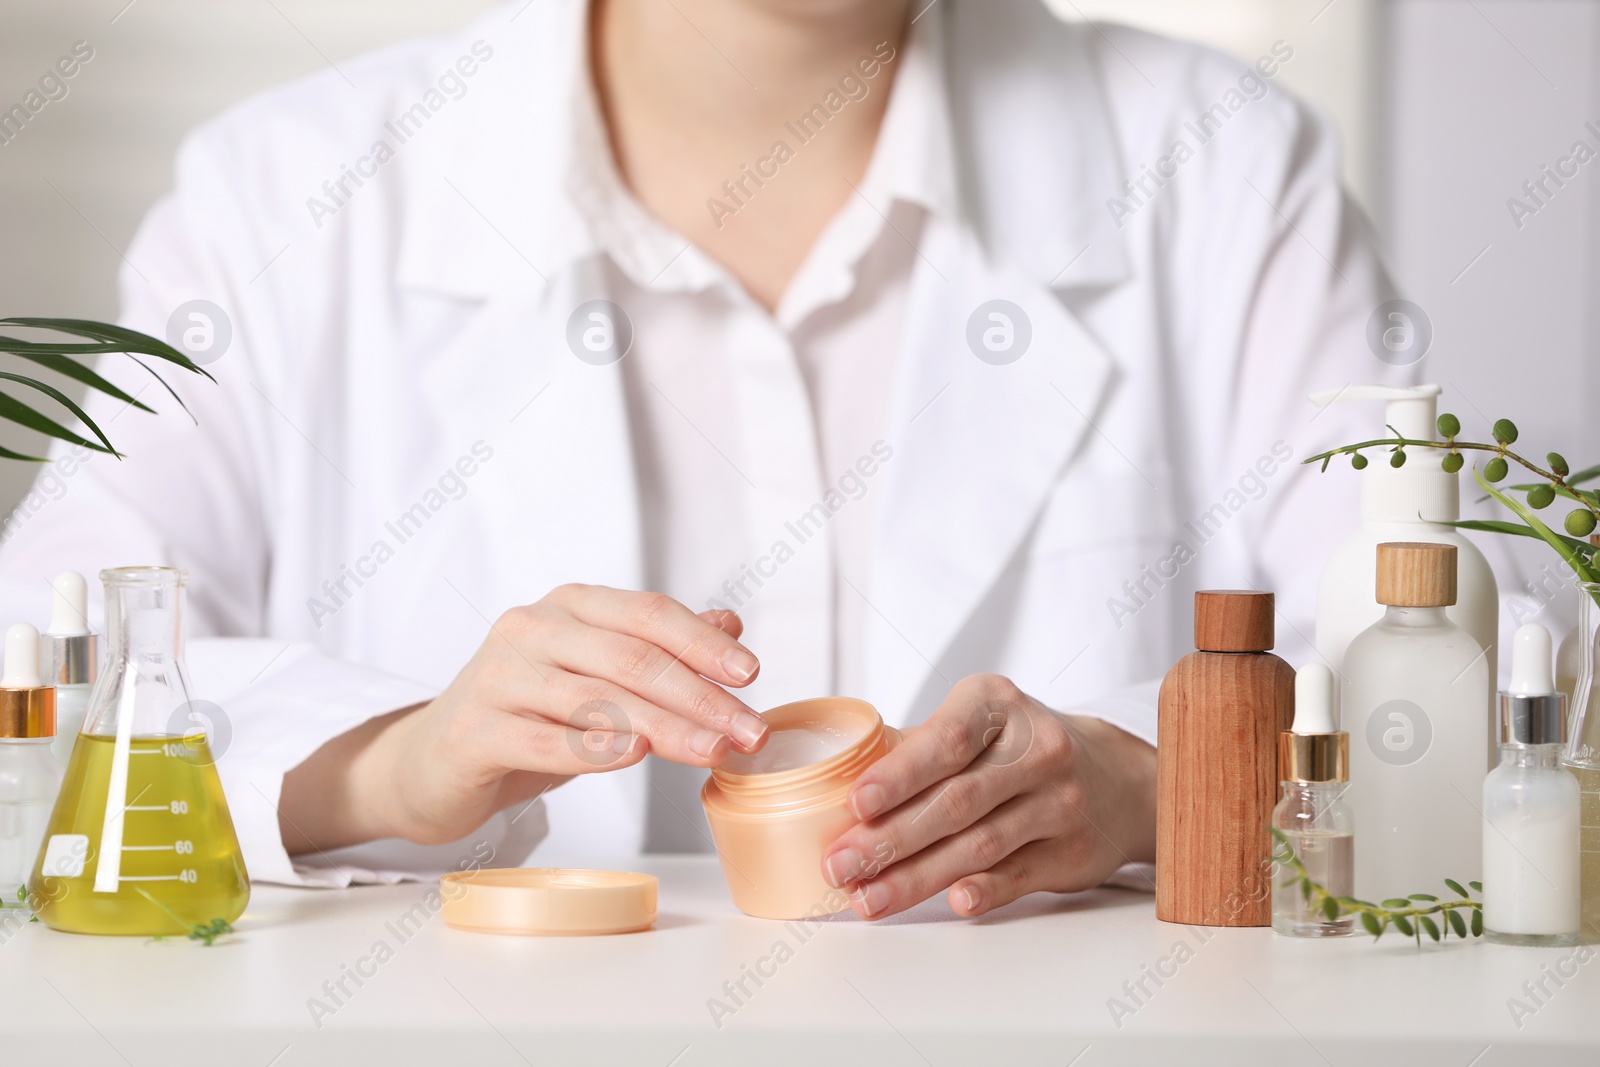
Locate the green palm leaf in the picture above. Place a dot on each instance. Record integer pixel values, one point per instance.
(65, 358)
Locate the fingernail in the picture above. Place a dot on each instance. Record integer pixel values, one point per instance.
(873, 899)
(740, 664)
(974, 898)
(622, 744)
(707, 744)
(867, 801)
(843, 866)
(748, 730)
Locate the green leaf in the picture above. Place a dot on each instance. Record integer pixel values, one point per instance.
(1397, 902)
(1429, 925)
(1556, 541)
(109, 339)
(1330, 908)
(64, 357)
(1501, 527)
(1588, 474)
(65, 401)
(1477, 922)
(1423, 896)
(1403, 924)
(118, 338)
(1455, 887)
(1305, 890)
(1457, 924)
(14, 410)
(1477, 886)
(1370, 922)
(71, 368)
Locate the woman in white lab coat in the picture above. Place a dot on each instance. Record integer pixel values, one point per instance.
(588, 381)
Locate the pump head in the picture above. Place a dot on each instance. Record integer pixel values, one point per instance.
(1420, 491)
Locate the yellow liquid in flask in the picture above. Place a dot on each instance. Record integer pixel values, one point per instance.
(178, 844)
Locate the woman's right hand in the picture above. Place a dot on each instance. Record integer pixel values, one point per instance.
(587, 679)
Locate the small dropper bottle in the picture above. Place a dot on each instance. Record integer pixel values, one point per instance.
(1314, 766)
(29, 775)
(69, 658)
(1531, 809)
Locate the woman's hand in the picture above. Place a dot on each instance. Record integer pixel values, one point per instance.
(587, 679)
(995, 796)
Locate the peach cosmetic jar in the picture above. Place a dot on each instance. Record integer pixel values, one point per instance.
(773, 813)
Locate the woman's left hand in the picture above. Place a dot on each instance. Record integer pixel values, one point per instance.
(995, 796)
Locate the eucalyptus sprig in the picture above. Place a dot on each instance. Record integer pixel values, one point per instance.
(1557, 479)
(73, 359)
(1413, 916)
(206, 933)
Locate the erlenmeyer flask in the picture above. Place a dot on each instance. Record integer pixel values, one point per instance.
(140, 841)
(1578, 675)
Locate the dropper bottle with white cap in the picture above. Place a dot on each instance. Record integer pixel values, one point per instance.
(30, 776)
(1530, 809)
(1406, 503)
(1314, 771)
(69, 658)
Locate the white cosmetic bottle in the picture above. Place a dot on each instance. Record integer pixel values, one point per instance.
(1530, 810)
(69, 658)
(1404, 503)
(30, 776)
(1415, 701)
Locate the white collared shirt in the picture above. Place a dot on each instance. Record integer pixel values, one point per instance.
(773, 517)
(731, 508)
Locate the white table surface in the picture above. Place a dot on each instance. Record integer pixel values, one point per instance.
(1028, 985)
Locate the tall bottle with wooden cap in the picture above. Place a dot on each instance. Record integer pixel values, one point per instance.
(1222, 708)
(1416, 690)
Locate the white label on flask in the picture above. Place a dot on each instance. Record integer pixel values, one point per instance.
(64, 856)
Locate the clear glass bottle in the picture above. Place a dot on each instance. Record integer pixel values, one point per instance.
(141, 841)
(29, 774)
(1530, 810)
(1576, 674)
(1314, 763)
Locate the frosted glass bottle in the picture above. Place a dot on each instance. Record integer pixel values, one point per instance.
(1415, 701)
(29, 775)
(1530, 809)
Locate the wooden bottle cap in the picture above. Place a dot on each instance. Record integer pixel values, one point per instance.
(1233, 620)
(1413, 574)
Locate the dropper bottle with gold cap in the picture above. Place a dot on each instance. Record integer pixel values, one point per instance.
(1314, 769)
(30, 775)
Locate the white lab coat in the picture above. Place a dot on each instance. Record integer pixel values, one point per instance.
(1047, 519)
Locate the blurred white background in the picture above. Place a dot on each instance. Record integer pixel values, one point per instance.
(1446, 107)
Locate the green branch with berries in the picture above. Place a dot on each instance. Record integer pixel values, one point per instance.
(1578, 547)
(1413, 916)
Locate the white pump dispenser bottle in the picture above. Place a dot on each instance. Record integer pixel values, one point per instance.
(1404, 504)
